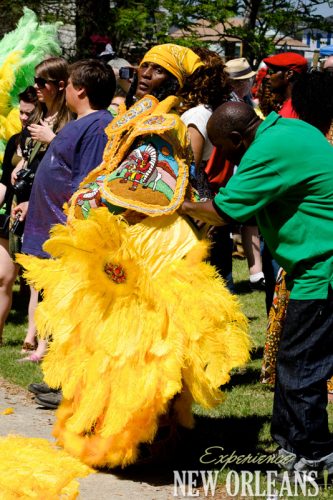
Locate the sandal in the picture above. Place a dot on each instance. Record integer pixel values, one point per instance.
(27, 347)
(34, 358)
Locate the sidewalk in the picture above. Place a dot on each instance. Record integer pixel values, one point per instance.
(32, 421)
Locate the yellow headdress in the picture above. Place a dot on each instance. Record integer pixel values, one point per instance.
(179, 61)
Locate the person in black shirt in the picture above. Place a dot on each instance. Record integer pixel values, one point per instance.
(12, 156)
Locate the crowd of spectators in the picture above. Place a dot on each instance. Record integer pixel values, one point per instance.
(64, 116)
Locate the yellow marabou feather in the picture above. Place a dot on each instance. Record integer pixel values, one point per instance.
(29, 468)
(122, 351)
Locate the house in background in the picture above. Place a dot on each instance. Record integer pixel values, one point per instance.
(227, 46)
(289, 44)
(316, 40)
(308, 44)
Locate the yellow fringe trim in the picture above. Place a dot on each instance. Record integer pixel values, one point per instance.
(122, 132)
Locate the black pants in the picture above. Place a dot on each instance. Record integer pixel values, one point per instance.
(304, 364)
(221, 254)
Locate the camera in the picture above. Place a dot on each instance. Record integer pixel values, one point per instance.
(126, 73)
(24, 180)
(17, 227)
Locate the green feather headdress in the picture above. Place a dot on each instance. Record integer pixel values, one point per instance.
(20, 51)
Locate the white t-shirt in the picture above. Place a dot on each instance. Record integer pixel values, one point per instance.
(199, 117)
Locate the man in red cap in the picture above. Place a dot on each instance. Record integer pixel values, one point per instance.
(283, 70)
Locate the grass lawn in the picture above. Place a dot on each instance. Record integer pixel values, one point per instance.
(19, 373)
(241, 424)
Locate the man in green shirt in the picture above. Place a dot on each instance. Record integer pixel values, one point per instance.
(285, 178)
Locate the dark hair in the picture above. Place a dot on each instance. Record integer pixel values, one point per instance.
(268, 100)
(98, 80)
(54, 69)
(312, 99)
(28, 95)
(169, 87)
(208, 84)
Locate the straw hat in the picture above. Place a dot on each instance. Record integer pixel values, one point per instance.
(239, 69)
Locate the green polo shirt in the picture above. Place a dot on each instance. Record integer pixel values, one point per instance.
(285, 178)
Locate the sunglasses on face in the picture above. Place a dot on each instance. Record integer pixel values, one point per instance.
(273, 71)
(41, 82)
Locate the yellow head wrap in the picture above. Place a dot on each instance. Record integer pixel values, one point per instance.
(179, 61)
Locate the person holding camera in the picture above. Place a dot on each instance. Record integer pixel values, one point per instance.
(73, 153)
(12, 156)
(49, 117)
(123, 73)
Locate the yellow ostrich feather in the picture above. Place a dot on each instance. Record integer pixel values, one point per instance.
(138, 322)
(7, 80)
(30, 467)
(10, 124)
(9, 117)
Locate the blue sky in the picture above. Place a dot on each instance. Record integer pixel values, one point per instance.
(325, 10)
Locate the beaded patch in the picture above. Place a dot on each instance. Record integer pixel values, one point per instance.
(145, 163)
(115, 272)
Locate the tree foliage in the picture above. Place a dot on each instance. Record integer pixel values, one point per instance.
(135, 25)
(269, 21)
(265, 22)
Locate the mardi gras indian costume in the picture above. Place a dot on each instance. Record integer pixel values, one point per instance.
(141, 325)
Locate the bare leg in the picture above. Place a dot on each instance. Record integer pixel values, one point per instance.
(38, 354)
(31, 333)
(251, 245)
(41, 349)
(8, 273)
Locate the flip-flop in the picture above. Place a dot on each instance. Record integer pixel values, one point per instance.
(34, 358)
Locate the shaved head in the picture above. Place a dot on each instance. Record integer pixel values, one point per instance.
(232, 126)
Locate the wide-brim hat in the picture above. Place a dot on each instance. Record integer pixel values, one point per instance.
(239, 69)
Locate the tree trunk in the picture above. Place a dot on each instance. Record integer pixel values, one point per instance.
(92, 18)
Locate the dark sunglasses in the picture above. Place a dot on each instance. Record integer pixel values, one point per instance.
(41, 82)
(273, 71)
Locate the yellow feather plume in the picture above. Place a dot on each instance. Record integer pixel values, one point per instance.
(139, 322)
(29, 468)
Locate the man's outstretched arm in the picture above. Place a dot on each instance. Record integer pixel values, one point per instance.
(205, 211)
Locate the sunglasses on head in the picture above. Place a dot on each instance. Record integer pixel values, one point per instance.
(41, 82)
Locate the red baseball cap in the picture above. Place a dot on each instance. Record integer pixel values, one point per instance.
(288, 60)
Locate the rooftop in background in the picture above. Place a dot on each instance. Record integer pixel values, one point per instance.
(216, 33)
(207, 33)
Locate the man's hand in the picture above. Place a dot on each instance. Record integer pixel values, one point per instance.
(21, 209)
(203, 211)
(42, 133)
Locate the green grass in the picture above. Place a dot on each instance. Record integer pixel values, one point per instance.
(10, 369)
(240, 424)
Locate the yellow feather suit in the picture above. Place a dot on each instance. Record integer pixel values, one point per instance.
(139, 321)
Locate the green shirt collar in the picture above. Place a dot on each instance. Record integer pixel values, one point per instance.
(269, 121)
